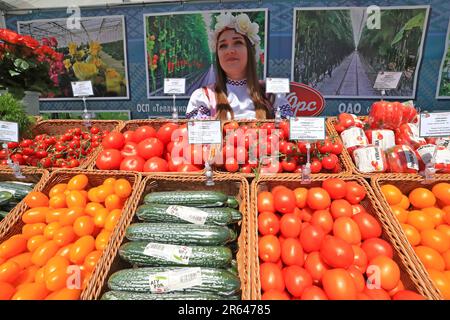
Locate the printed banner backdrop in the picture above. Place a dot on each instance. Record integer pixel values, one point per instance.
(340, 51)
(95, 51)
(179, 46)
(279, 51)
(443, 89)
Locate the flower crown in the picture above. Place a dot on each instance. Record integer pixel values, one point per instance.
(241, 23)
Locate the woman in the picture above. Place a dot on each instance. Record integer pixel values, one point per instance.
(237, 93)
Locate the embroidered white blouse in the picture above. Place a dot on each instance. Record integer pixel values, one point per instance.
(202, 106)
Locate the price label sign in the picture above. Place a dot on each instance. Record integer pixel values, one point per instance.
(435, 124)
(387, 80)
(307, 128)
(277, 85)
(9, 131)
(174, 85)
(205, 132)
(82, 88)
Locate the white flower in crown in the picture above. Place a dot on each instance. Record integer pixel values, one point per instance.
(224, 20)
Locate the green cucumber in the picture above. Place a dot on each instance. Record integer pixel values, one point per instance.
(182, 234)
(19, 190)
(201, 256)
(123, 295)
(216, 281)
(158, 213)
(233, 268)
(3, 214)
(201, 199)
(232, 202)
(5, 197)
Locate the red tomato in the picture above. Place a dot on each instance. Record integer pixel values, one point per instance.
(144, 132)
(272, 166)
(376, 294)
(368, 225)
(296, 279)
(231, 165)
(341, 208)
(265, 202)
(174, 163)
(315, 266)
(322, 219)
(338, 284)
(187, 168)
(134, 163)
(129, 136)
(318, 199)
(113, 140)
(129, 149)
(292, 252)
(313, 293)
(150, 147)
(290, 225)
(271, 277)
(384, 269)
(357, 277)
(109, 159)
(275, 295)
(357, 208)
(311, 238)
(336, 252)
(335, 187)
(375, 246)
(269, 248)
(360, 259)
(164, 133)
(285, 201)
(347, 229)
(407, 295)
(316, 166)
(156, 164)
(355, 192)
(268, 223)
(300, 197)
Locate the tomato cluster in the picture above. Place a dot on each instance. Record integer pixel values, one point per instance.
(265, 148)
(60, 151)
(320, 243)
(149, 150)
(424, 216)
(379, 146)
(63, 237)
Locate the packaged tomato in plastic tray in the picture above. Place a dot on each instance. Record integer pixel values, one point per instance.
(370, 159)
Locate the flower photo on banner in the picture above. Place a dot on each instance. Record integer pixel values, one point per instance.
(443, 88)
(95, 52)
(182, 45)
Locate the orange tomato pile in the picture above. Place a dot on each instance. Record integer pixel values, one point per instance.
(321, 244)
(62, 239)
(424, 216)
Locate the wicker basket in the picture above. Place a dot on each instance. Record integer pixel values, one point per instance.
(343, 160)
(406, 184)
(133, 125)
(37, 176)
(95, 179)
(231, 185)
(410, 276)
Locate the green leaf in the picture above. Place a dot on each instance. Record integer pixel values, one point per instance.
(398, 36)
(416, 21)
(21, 64)
(13, 73)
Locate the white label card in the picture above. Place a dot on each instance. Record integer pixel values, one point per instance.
(175, 280)
(307, 128)
(174, 85)
(82, 88)
(387, 80)
(9, 131)
(205, 132)
(277, 85)
(168, 252)
(192, 215)
(435, 124)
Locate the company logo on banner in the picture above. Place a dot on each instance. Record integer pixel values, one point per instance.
(305, 101)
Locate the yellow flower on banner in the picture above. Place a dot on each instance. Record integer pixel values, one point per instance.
(113, 81)
(72, 48)
(94, 48)
(84, 71)
(67, 64)
(81, 53)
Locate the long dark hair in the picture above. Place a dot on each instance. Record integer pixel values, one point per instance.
(263, 106)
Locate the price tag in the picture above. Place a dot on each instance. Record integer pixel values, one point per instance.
(168, 252)
(307, 128)
(9, 131)
(204, 132)
(174, 85)
(277, 85)
(82, 88)
(192, 215)
(435, 124)
(174, 280)
(387, 80)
